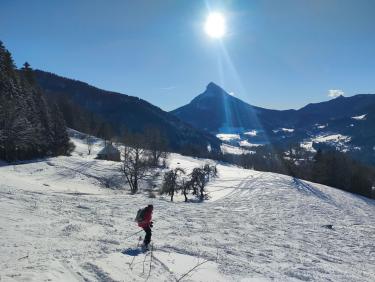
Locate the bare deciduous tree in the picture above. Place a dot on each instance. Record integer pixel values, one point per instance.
(172, 182)
(136, 164)
(186, 186)
(89, 143)
(200, 176)
(156, 143)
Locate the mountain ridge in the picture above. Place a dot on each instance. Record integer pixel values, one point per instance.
(124, 111)
(218, 112)
(214, 90)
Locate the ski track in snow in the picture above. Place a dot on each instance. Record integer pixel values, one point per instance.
(58, 222)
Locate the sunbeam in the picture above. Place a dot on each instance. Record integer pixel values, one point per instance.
(226, 62)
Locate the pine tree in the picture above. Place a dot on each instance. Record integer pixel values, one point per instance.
(28, 127)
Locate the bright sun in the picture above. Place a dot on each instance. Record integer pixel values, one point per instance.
(215, 25)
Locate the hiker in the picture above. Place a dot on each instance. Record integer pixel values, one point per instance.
(146, 223)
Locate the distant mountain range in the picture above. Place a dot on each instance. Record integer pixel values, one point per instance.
(348, 123)
(125, 112)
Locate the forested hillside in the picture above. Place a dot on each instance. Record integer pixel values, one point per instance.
(100, 112)
(29, 128)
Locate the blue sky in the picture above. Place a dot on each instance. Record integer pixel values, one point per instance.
(276, 54)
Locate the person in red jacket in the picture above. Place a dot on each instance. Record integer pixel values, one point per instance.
(146, 224)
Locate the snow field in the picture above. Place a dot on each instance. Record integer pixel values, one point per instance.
(228, 136)
(59, 222)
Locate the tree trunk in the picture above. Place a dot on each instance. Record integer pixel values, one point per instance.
(202, 193)
(135, 185)
(185, 196)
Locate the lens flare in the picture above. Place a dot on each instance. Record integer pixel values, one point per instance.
(215, 25)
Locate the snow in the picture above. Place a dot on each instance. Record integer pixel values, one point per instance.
(288, 130)
(361, 117)
(308, 146)
(209, 148)
(59, 222)
(236, 143)
(229, 149)
(251, 133)
(228, 136)
(321, 126)
(338, 141)
(245, 143)
(338, 138)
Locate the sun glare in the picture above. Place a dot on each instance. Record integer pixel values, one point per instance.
(215, 25)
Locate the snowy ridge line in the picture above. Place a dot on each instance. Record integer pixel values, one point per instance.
(304, 187)
(308, 189)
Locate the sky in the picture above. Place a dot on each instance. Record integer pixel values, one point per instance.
(275, 54)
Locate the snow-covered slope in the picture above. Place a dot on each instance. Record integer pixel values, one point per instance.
(59, 222)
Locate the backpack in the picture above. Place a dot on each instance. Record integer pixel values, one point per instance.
(140, 215)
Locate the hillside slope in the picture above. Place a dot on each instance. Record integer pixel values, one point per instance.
(59, 222)
(124, 112)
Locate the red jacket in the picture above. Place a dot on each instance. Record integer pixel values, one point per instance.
(147, 218)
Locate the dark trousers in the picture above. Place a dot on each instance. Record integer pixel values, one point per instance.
(147, 239)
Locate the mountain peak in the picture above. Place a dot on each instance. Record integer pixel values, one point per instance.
(213, 87)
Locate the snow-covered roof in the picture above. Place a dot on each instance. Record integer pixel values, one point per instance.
(108, 150)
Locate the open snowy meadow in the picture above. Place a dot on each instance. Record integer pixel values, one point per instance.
(60, 222)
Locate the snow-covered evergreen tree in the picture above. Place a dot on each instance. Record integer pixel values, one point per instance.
(28, 127)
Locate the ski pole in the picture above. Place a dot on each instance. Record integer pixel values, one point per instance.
(132, 234)
(152, 249)
(139, 240)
